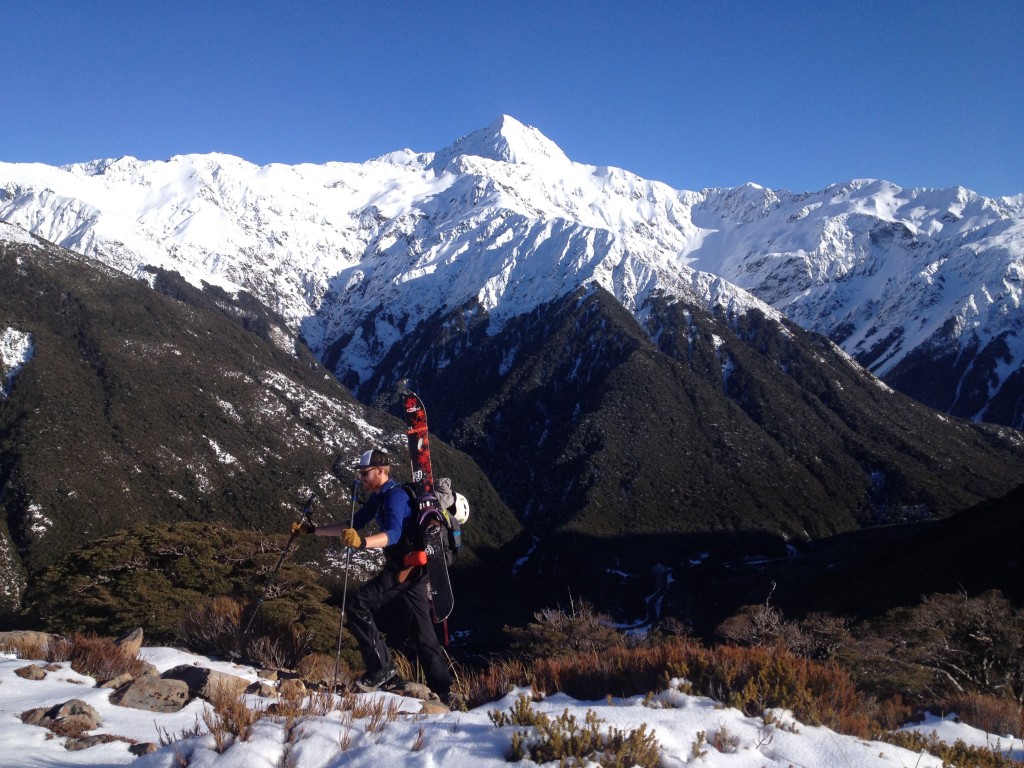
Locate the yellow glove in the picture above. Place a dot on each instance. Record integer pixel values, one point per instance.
(350, 538)
(303, 527)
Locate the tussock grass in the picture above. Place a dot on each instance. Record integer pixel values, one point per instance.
(24, 648)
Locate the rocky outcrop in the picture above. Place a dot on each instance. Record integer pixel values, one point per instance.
(153, 694)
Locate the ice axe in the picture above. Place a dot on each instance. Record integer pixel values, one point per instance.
(305, 517)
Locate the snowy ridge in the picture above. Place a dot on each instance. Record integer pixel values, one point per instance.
(502, 221)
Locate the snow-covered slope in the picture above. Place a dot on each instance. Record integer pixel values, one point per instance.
(682, 725)
(353, 255)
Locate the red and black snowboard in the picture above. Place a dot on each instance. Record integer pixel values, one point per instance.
(435, 540)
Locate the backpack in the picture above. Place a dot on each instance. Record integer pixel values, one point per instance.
(448, 509)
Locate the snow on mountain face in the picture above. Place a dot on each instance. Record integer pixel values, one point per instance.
(867, 259)
(503, 220)
(16, 349)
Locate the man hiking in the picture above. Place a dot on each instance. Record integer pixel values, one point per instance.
(388, 504)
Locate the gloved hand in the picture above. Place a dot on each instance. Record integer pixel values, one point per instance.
(350, 538)
(303, 527)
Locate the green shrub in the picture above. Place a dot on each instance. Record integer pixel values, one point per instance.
(949, 645)
(572, 743)
(194, 583)
(957, 755)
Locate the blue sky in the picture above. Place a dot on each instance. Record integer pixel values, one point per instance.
(793, 95)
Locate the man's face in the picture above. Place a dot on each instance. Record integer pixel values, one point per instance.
(372, 478)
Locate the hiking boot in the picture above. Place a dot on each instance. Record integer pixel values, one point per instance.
(374, 681)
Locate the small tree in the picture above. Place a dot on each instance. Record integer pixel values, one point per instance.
(555, 632)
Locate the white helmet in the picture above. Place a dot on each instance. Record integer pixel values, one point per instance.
(461, 508)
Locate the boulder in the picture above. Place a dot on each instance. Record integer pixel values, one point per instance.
(207, 683)
(261, 688)
(118, 681)
(31, 672)
(35, 716)
(73, 716)
(84, 742)
(415, 691)
(76, 708)
(433, 707)
(153, 694)
(130, 643)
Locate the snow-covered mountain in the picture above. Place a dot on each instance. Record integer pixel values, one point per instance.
(354, 255)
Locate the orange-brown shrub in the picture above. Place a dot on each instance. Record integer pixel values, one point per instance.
(995, 714)
(98, 657)
(750, 679)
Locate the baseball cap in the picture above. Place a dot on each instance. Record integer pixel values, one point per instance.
(373, 458)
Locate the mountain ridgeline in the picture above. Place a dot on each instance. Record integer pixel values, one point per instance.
(590, 422)
(923, 287)
(637, 370)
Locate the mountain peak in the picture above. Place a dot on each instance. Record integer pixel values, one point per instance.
(505, 140)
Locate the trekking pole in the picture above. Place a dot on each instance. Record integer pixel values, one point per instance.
(344, 591)
(307, 517)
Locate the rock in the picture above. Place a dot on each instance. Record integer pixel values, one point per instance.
(415, 691)
(260, 688)
(143, 748)
(118, 681)
(207, 683)
(267, 674)
(35, 716)
(73, 717)
(76, 708)
(433, 707)
(84, 742)
(74, 726)
(153, 694)
(130, 643)
(31, 672)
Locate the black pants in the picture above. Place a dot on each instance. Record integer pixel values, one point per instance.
(414, 610)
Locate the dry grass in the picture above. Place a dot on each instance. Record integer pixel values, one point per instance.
(319, 669)
(97, 657)
(24, 648)
(230, 719)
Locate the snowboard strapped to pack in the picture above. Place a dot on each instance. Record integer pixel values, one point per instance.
(439, 512)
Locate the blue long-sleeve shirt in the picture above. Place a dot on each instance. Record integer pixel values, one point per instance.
(391, 509)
